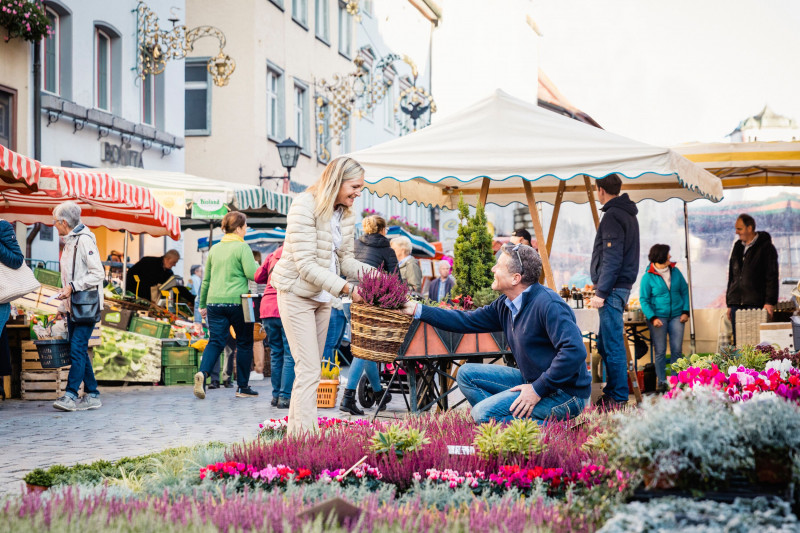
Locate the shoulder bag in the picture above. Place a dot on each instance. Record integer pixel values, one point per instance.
(84, 305)
(16, 282)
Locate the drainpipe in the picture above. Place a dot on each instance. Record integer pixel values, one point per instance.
(37, 101)
(37, 127)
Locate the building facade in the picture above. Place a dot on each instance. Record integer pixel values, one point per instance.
(281, 48)
(766, 126)
(96, 109)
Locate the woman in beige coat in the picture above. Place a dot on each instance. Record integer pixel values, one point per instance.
(320, 236)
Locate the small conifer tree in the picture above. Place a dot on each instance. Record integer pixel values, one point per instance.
(474, 258)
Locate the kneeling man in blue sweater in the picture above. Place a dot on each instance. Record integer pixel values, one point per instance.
(552, 380)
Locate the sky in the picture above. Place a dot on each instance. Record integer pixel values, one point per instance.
(672, 71)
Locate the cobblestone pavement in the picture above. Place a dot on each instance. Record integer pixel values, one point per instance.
(134, 420)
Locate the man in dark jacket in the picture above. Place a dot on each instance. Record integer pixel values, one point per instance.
(152, 272)
(552, 379)
(752, 271)
(614, 267)
(441, 287)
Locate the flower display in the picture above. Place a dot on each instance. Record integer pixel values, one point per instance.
(24, 18)
(268, 475)
(741, 384)
(276, 427)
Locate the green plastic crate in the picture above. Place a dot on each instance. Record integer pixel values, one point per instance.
(151, 328)
(47, 277)
(178, 356)
(179, 375)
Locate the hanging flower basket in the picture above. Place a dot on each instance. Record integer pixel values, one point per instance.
(25, 19)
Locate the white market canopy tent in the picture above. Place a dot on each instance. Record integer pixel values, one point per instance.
(747, 164)
(510, 141)
(524, 153)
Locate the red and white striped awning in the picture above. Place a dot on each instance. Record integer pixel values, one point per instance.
(30, 191)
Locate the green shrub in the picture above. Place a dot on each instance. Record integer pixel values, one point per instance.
(520, 437)
(39, 477)
(398, 440)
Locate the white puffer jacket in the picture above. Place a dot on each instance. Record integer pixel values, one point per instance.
(304, 267)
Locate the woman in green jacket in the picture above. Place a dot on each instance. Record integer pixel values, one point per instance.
(230, 265)
(664, 296)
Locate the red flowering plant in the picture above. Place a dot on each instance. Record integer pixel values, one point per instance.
(249, 475)
(384, 290)
(24, 18)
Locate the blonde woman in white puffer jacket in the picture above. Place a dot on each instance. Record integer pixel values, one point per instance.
(318, 251)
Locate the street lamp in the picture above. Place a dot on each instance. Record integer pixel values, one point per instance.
(289, 152)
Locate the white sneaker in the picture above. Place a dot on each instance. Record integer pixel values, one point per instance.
(255, 376)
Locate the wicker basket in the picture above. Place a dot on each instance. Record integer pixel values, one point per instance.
(327, 391)
(377, 334)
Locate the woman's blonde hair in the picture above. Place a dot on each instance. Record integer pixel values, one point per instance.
(327, 186)
(374, 224)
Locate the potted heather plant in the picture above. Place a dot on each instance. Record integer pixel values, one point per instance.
(378, 328)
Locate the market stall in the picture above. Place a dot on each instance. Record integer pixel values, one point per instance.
(30, 191)
(503, 150)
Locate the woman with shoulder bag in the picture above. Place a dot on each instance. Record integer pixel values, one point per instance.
(82, 276)
(10, 256)
(320, 236)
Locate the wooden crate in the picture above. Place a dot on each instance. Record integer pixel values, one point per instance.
(30, 357)
(44, 384)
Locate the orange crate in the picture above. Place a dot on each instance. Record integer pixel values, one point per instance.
(326, 393)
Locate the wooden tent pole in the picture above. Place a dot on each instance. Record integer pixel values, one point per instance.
(590, 192)
(556, 209)
(537, 228)
(484, 191)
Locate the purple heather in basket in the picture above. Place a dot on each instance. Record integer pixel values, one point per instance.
(384, 290)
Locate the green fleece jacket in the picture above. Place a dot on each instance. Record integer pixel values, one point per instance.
(229, 265)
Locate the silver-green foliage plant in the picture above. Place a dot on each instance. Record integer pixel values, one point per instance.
(769, 423)
(690, 438)
(399, 440)
(683, 515)
(521, 436)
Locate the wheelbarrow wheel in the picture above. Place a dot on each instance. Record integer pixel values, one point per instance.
(366, 397)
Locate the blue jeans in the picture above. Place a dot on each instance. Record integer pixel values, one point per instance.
(335, 333)
(357, 367)
(486, 388)
(281, 360)
(81, 370)
(220, 318)
(658, 336)
(611, 344)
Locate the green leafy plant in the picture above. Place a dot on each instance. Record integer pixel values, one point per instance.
(521, 436)
(473, 251)
(399, 440)
(39, 477)
(694, 360)
(487, 439)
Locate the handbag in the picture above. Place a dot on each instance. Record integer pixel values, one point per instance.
(84, 305)
(259, 334)
(16, 282)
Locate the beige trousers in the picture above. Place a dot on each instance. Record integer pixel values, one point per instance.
(306, 325)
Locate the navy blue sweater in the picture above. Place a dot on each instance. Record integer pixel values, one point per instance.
(615, 257)
(544, 338)
(10, 253)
